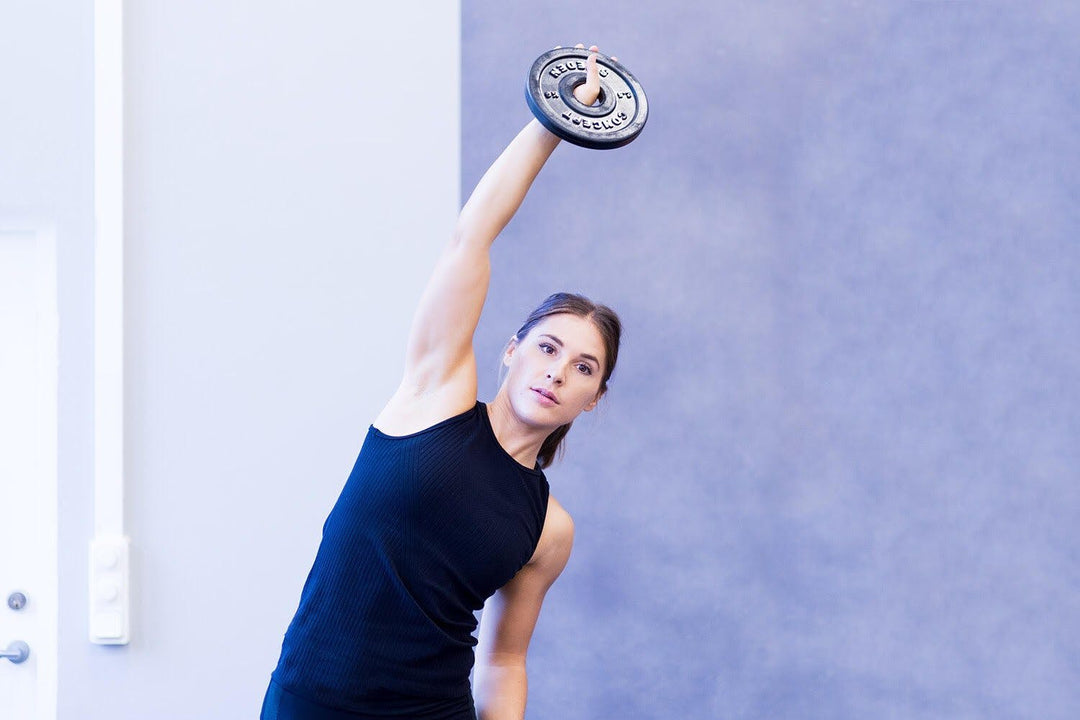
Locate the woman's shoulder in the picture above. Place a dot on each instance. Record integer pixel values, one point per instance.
(561, 520)
(556, 539)
(410, 413)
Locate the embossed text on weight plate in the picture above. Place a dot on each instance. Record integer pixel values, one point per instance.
(557, 70)
(615, 123)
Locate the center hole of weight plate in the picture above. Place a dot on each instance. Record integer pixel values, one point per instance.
(605, 101)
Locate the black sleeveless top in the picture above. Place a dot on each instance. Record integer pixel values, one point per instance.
(427, 527)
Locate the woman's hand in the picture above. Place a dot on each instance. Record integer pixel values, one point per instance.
(588, 92)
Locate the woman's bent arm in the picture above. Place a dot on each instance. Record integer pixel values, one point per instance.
(506, 628)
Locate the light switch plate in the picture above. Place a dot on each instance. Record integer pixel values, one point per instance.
(110, 611)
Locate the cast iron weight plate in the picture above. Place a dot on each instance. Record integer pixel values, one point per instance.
(619, 115)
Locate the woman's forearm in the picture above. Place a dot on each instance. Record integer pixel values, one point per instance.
(500, 192)
(501, 690)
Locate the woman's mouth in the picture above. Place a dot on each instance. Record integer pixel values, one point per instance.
(546, 397)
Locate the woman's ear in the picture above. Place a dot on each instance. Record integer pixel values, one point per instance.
(510, 347)
(593, 403)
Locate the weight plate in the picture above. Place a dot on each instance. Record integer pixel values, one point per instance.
(615, 120)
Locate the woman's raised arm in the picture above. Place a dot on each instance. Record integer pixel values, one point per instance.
(440, 367)
(440, 342)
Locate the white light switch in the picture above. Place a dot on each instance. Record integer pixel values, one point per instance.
(110, 621)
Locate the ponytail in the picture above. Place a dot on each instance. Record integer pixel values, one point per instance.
(552, 446)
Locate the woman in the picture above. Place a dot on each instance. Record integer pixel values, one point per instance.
(447, 505)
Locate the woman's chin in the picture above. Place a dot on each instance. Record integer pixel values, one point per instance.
(541, 415)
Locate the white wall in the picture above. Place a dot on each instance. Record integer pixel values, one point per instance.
(290, 177)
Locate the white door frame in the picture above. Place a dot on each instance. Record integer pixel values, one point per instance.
(43, 596)
(109, 588)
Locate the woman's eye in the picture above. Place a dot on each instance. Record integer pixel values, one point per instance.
(547, 349)
(585, 369)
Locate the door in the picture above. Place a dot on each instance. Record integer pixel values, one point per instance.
(28, 482)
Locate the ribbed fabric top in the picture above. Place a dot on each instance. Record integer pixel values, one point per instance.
(427, 527)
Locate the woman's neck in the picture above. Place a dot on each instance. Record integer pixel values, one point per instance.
(521, 441)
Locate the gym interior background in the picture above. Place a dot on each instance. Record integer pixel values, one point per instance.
(836, 474)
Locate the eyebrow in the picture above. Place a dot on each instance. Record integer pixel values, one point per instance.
(559, 342)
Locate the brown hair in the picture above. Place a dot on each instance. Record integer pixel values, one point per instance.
(605, 320)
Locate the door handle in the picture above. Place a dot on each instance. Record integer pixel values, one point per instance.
(16, 652)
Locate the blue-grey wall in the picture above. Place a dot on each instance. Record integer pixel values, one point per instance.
(837, 474)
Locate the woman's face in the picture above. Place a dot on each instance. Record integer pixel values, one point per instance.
(555, 370)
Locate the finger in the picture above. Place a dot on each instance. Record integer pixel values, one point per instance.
(580, 45)
(592, 76)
